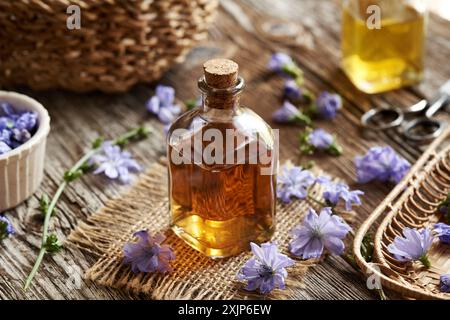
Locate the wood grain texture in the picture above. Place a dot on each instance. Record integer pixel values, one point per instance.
(238, 33)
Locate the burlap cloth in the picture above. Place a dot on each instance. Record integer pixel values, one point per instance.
(194, 276)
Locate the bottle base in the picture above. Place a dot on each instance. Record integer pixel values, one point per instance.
(222, 252)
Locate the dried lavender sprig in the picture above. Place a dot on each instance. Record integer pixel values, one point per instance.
(50, 243)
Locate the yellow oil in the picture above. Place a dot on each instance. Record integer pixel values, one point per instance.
(391, 57)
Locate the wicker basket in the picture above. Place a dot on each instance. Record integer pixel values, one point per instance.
(120, 42)
(412, 203)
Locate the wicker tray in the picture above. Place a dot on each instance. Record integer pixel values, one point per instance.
(412, 203)
(120, 42)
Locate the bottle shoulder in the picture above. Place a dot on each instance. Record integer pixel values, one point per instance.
(242, 122)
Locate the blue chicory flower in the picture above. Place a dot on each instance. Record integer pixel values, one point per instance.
(335, 191)
(381, 163)
(293, 181)
(318, 232)
(163, 105)
(266, 270)
(292, 90)
(148, 254)
(413, 246)
(444, 207)
(445, 283)
(320, 139)
(6, 228)
(443, 232)
(328, 104)
(114, 162)
(278, 62)
(289, 113)
(284, 65)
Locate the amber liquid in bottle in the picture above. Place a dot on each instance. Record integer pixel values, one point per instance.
(219, 208)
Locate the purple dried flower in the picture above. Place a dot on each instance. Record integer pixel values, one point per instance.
(6, 123)
(320, 139)
(292, 90)
(4, 147)
(26, 121)
(318, 232)
(289, 113)
(15, 128)
(413, 246)
(266, 270)
(335, 191)
(6, 228)
(114, 162)
(381, 163)
(445, 283)
(6, 108)
(443, 232)
(163, 104)
(148, 254)
(21, 135)
(5, 136)
(328, 104)
(293, 182)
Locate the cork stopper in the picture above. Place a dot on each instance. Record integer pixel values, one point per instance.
(221, 73)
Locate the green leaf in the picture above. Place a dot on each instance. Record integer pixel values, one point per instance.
(303, 118)
(191, 104)
(44, 203)
(305, 147)
(52, 244)
(70, 176)
(335, 148)
(295, 72)
(142, 132)
(3, 230)
(367, 248)
(425, 261)
(97, 143)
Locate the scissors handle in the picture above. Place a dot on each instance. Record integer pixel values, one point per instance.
(423, 129)
(435, 107)
(375, 119)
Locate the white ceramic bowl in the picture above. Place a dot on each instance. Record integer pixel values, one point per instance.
(22, 169)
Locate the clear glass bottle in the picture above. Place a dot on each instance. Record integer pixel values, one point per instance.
(383, 43)
(222, 199)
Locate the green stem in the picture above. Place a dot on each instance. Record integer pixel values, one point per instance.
(35, 268)
(320, 203)
(135, 133)
(425, 261)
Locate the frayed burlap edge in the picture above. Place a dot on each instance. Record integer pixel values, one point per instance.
(194, 276)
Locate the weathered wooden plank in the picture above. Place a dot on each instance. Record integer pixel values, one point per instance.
(78, 119)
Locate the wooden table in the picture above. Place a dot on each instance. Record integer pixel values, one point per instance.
(238, 33)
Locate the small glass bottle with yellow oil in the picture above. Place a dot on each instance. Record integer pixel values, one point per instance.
(222, 162)
(383, 43)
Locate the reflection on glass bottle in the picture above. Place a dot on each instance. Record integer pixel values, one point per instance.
(222, 196)
(383, 43)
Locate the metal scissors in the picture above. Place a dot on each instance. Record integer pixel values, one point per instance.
(421, 128)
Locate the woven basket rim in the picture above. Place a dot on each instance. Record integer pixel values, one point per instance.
(391, 203)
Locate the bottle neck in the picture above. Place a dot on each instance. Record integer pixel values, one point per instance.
(220, 99)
